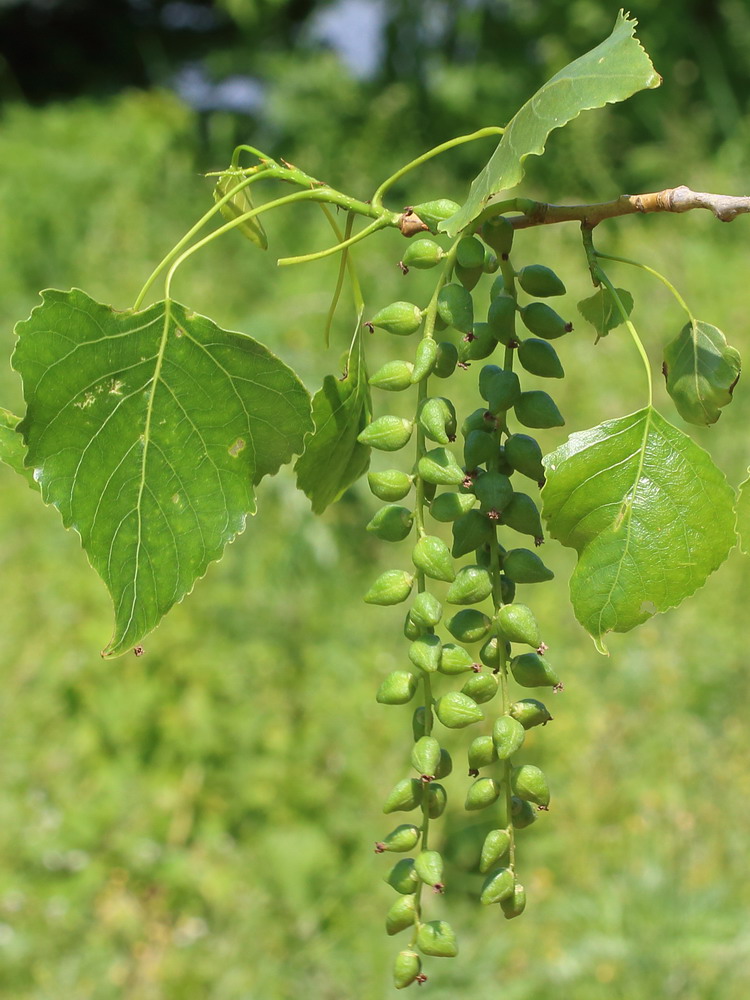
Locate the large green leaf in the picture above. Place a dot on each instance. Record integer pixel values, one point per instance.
(12, 448)
(701, 370)
(613, 71)
(333, 458)
(148, 430)
(647, 511)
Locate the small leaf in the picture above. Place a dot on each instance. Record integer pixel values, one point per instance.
(333, 458)
(648, 512)
(701, 370)
(601, 310)
(238, 205)
(12, 449)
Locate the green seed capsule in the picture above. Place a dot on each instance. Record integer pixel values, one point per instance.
(390, 485)
(491, 262)
(497, 886)
(522, 515)
(497, 233)
(501, 318)
(522, 813)
(418, 722)
(391, 523)
(507, 736)
(425, 755)
(507, 590)
(451, 506)
(412, 631)
(481, 687)
(472, 585)
(540, 281)
(523, 452)
(494, 491)
(532, 670)
(530, 784)
(404, 796)
(543, 321)
(540, 358)
(387, 433)
(456, 710)
(468, 276)
(391, 587)
(495, 845)
(439, 466)
(494, 652)
(479, 449)
(402, 914)
(397, 688)
(525, 566)
(425, 653)
(481, 794)
(426, 611)
(403, 838)
(518, 624)
(497, 287)
(481, 753)
(455, 660)
(499, 387)
(437, 799)
(425, 358)
(444, 765)
(537, 409)
(423, 254)
(455, 307)
(478, 344)
(433, 212)
(470, 252)
(406, 968)
(437, 419)
(429, 868)
(479, 420)
(393, 376)
(436, 938)
(446, 359)
(432, 556)
(399, 318)
(530, 712)
(468, 625)
(513, 906)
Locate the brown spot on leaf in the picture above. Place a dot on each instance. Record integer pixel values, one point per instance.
(238, 446)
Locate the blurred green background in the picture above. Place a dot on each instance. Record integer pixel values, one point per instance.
(198, 823)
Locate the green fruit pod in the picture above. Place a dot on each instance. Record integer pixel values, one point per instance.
(429, 868)
(455, 660)
(397, 688)
(406, 968)
(500, 387)
(471, 532)
(391, 587)
(479, 420)
(479, 449)
(437, 419)
(497, 233)
(481, 753)
(450, 506)
(541, 320)
(399, 318)
(507, 736)
(455, 307)
(425, 653)
(402, 914)
(432, 556)
(394, 376)
(469, 625)
(404, 796)
(540, 281)
(437, 799)
(540, 358)
(436, 938)
(522, 813)
(497, 287)
(524, 454)
(478, 344)
(513, 906)
(518, 624)
(525, 566)
(425, 358)
(495, 845)
(481, 687)
(391, 523)
(468, 276)
(497, 886)
(423, 254)
(418, 722)
(494, 491)
(482, 793)
(403, 838)
(238, 205)
(494, 652)
(425, 755)
(501, 318)
(530, 784)
(390, 484)
(522, 515)
(426, 611)
(439, 466)
(446, 359)
(507, 590)
(533, 670)
(434, 212)
(412, 631)
(537, 409)
(470, 252)
(444, 765)
(491, 262)
(530, 712)
(456, 711)
(387, 433)
(472, 585)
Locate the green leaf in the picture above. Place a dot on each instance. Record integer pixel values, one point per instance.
(647, 511)
(239, 205)
(601, 311)
(148, 431)
(701, 370)
(743, 515)
(613, 71)
(333, 458)
(12, 449)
